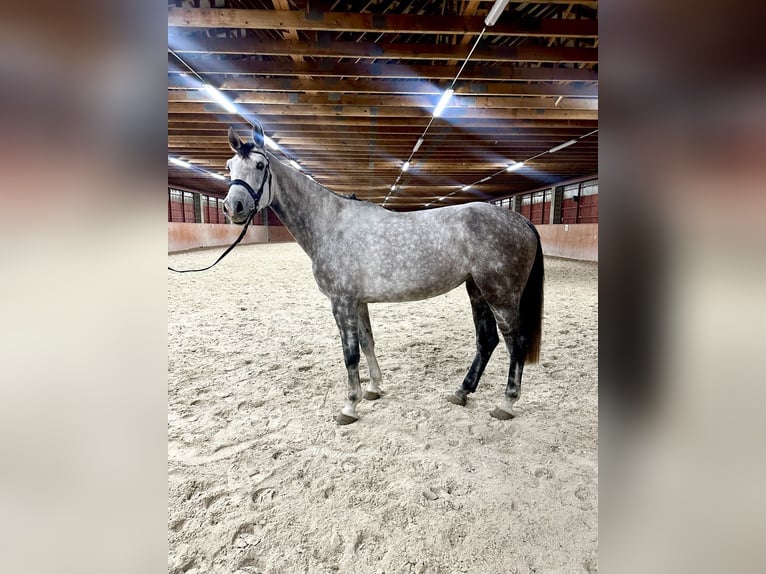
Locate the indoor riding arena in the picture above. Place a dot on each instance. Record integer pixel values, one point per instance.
(472, 121)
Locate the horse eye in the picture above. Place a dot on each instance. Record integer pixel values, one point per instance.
(260, 165)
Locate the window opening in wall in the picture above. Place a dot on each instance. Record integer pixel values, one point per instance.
(589, 187)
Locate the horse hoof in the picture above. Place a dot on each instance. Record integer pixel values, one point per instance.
(500, 414)
(372, 395)
(456, 400)
(344, 419)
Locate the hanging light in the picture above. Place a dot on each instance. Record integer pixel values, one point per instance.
(406, 166)
(562, 146)
(443, 102)
(180, 162)
(417, 145)
(495, 12)
(515, 166)
(220, 98)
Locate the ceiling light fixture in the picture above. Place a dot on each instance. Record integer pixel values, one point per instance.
(465, 188)
(180, 162)
(220, 98)
(515, 166)
(230, 107)
(495, 12)
(562, 146)
(417, 146)
(406, 165)
(558, 101)
(446, 96)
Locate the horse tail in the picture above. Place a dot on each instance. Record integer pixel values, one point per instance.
(531, 308)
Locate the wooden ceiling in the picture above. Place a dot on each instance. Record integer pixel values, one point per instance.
(347, 88)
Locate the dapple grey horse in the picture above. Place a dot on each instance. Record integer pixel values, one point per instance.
(362, 253)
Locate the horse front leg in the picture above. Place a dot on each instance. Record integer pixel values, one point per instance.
(347, 317)
(367, 342)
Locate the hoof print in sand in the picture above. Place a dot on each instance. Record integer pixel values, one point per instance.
(263, 496)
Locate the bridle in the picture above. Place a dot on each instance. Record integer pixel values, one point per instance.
(256, 195)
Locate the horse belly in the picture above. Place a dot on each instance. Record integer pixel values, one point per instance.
(410, 283)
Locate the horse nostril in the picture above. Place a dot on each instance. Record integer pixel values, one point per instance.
(226, 209)
(240, 207)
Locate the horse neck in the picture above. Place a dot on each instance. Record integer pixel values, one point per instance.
(305, 207)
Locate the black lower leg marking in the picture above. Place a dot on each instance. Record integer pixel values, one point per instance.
(508, 319)
(347, 318)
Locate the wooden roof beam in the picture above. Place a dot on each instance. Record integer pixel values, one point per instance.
(366, 86)
(384, 50)
(343, 111)
(390, 100)
(378, 23)
(329, 69)
(273, 122)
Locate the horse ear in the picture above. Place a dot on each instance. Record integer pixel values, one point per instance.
(258, 138)
(234, 140)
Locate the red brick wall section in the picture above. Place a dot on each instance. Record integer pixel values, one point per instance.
(574, 241)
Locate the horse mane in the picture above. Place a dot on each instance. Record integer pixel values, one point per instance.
(312, 183)
(244, 150)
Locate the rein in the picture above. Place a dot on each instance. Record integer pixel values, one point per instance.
(256, 195)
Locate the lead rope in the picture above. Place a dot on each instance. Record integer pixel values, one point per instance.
(256, 200)
(232, 246)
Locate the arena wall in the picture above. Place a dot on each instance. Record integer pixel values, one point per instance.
(575, 241)
(185, 236)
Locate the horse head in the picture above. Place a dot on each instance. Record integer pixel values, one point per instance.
(250, 186)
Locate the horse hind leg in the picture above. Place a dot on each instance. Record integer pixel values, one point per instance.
(367, 342)
(486, 341)
(517, 345)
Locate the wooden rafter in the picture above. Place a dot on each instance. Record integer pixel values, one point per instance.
(348, 94)
(378, 23)
(384, 50)
(389, 111)
(324, 69)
